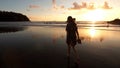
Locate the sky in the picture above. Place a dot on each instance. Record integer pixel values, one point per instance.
(59, 10)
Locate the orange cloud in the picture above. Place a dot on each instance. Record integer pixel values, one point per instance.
(62, 6)
(106, 6)
(77, 6)
(55, 6)
(89, 6)
(54, 3)
(34, 6)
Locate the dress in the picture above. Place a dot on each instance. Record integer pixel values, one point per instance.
(71, 30)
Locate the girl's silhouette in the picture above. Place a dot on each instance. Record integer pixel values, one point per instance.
(72, 35)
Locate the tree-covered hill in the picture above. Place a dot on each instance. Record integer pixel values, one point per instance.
(12, 16)
(115, 21)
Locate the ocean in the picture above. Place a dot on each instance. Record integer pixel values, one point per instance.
(43, 45)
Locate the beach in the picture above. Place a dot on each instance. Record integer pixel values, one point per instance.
(44, 46)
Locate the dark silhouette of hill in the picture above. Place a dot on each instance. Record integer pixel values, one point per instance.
(6, 16)
(115, 21)
(10, 17)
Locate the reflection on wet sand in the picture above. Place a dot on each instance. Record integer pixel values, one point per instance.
(92, 33)
(11, 29)
(45, 47)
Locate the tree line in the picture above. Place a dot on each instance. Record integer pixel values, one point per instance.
(12, 16)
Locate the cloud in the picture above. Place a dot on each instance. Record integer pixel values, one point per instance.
(62, 6)
(31, 7)
(34, 6)
(77, 6)
(59, 7)
(106, 6)
(84, 5)
(55, 6)
(90, 6)
(54, 3)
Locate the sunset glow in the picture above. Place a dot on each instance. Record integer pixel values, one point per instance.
(58, 10)
(95, 15)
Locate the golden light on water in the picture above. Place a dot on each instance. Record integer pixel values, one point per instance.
(92, 32)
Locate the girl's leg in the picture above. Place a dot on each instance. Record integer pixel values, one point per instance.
(68, 51)
(76, 54)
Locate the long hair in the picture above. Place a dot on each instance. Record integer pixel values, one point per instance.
(69, 19)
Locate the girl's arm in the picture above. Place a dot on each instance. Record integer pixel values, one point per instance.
(77, 34)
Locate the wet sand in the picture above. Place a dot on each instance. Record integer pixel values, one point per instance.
(45, 47)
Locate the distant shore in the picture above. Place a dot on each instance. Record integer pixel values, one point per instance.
(6, 16)
(115, 21)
